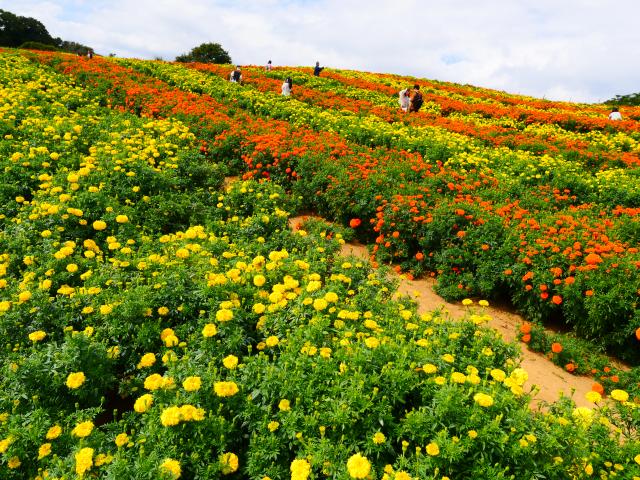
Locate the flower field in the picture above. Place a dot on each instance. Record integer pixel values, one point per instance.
(158, 324)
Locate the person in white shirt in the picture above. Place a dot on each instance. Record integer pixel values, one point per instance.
(287, 86)
(615, 114)
(236, 76)
(405, 99)
(268, 67)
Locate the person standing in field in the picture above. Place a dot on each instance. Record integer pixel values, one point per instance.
(236, 76)
(268, 67)
(405, 99)
(287, 87)
(416, 99)
(615, 114)
(317, 69)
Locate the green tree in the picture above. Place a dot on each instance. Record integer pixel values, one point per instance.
(16, 30)
(206, 53)
(631, 99)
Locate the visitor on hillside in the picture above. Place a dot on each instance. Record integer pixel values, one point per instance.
(317, 70)
(287, 87)
(89, 54)
(615, 114)
(416, 99)
(268, 67)
(236, 76)
(405, 99)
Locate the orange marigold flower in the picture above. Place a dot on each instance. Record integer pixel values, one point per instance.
(596, 387)
(557, 299)
(525, 327)
(556, 347)
(419, 256)
(570, 367)
(355, 222)
(526, 338)
(638, 333)
(593, 259)
(589, 293)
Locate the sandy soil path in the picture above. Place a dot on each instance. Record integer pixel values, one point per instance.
(551, 380)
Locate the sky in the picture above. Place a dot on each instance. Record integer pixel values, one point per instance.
(574, 50)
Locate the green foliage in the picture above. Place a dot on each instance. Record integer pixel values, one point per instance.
(206, 53)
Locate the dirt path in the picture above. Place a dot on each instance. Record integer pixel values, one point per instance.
(551, 380)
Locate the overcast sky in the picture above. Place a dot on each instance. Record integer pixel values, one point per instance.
(578, 50)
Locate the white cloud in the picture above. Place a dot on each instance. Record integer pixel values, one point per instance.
(582, 50)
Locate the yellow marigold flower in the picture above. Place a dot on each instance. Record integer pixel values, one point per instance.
(5, 305)
(433, 449)
(472, 434)
(483, 399)
(229, 462)
(4, 444)
(99, 225)
(167, 332)
(457, 377)
(447, 357)
(467, 301)
(519, 376)
(192, 384)
(122, 439)
(284, 405)
(402, 476)
(84, 460)
(72, 268)
(106, 309)
(498, 374)
(588, 469)
(54, 432)
(143, 403)
(259, 280)
(74, 380)
(230, 362)
(429, 368)
(170, 416)
(259, 308)
(637, 459)
(358, 466)
(171, 341)
(163, 311)
(619, 395)
(224, 315)
(83, 429)
(24, 296)
(153, 382)
(273, 426)
(272, 341)
(593, 397)
(225, 389)
(331, 297)
(300, 469)
(583, 416)
(13, 463)
(320, 304)
(182, 253)
(209, 330)
(37, 336)
(172, 467)
(379, 438)
(372, 342)
(44, 450)
(147, 360)
(122, 219)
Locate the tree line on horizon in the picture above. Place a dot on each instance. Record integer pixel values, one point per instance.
(26, 32)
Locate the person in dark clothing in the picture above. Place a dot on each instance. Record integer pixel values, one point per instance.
(318, 69)
(416, 99)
